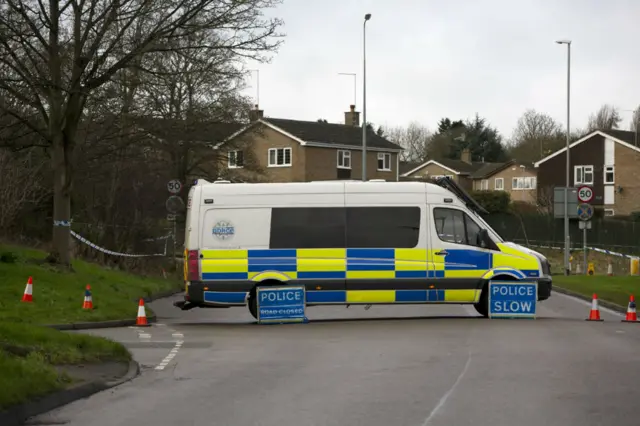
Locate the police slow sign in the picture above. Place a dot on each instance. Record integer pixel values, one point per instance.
(281, 304)
(515, 299)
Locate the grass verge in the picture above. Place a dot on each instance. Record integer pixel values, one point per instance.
(32, 357)
(58, 295)
(29, 355)
(613, 289)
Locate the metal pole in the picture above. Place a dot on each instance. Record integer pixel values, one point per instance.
(568, 164)
(364, 97)
(584, 248)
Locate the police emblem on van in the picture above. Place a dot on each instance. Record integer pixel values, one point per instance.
(223, 230)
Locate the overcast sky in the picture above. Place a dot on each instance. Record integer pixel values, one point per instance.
(429, 59)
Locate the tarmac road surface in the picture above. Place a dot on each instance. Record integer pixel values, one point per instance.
(388, 366)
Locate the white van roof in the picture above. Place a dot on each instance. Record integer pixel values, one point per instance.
(321, 187)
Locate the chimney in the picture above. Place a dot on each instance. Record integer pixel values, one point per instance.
(352, 117)
(466, 156)
(256, 114)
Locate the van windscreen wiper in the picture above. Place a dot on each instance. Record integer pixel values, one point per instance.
(452, 186)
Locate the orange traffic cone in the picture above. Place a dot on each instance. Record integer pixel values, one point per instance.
(594, 315)
(142, 316)
(631, 311)
(28, 291)
(88, 299)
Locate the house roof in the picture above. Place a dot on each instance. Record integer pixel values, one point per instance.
(622, 137)
(489, 169)
(314, 133)
(406, 166)
(454, 166)
(200, 131)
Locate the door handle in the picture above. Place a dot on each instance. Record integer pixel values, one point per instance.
(442, 253)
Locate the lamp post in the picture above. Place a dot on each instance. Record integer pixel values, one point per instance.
(364, 97)
(566, 190)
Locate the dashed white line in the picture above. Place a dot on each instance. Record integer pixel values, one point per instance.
(171, 355)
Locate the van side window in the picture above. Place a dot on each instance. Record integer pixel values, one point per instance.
(383, 227)
(455, 226)
(450, 225)
(338, 227)
(307, 227)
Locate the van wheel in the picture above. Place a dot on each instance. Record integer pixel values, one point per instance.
(252, 303)
(482, 307)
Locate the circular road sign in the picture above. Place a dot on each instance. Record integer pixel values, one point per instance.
(174, 186)
(585, 194)
(585, 211)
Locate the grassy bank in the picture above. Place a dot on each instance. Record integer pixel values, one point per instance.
(33, 359)
(614, 289)
(58, 295)
(29, 355)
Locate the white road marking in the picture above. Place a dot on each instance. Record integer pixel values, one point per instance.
(177, 335)
(446, 396)
(144, 335)
(170, 356)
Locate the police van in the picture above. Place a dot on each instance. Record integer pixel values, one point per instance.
(347, 242)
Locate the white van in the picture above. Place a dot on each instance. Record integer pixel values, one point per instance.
(347, 242)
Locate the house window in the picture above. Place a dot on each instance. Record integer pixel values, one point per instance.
(279, 157)
(384, 161)
(583, 175)
(609, 212)
(523, 183)
(609, 174)
(442, 176)
(344, 159)
(499, 184)
(236, 159)
(484, 185)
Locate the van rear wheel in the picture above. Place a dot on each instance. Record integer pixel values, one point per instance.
(252, 303)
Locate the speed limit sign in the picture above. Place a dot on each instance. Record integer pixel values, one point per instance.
(174, 186)
(585, 194)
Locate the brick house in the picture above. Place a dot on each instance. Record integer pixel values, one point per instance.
(606, 160)
(298, 151)
(519, 179)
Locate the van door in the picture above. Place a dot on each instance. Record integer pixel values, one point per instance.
(458, 259)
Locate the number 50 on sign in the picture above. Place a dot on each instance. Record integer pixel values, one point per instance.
(585, 194)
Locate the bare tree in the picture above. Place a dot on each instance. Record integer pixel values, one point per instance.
(606, 118)
(21, 184)
(414, 139)
(535, 136)
(55, 56)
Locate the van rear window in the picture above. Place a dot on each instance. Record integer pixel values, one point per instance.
(338, 227)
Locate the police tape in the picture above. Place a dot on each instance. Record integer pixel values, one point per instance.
(111, 252)
(599, 250)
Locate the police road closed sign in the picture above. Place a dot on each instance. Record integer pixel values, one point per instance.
(281, 304)
(515, 299)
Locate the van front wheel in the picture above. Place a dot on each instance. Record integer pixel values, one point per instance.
(482, 307)
(252, 303)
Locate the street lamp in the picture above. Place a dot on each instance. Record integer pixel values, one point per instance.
(364, 97)
(566, 190)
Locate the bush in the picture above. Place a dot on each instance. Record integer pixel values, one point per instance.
(493, 201)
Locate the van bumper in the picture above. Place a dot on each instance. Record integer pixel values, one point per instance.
(544, 288)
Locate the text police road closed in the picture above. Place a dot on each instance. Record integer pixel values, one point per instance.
(281, 296)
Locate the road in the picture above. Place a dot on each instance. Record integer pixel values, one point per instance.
(388, 366)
